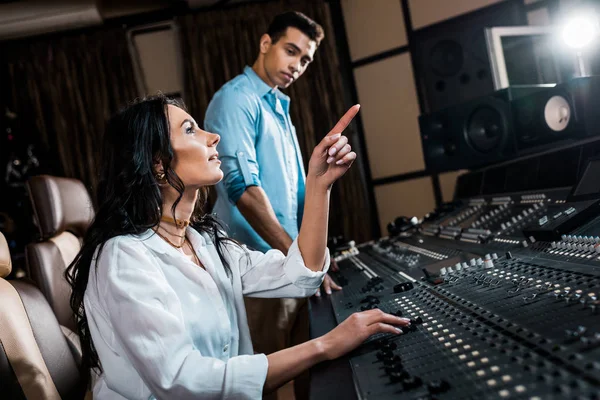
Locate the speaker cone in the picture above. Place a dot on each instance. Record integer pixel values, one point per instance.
(557, 113)
(485, 129)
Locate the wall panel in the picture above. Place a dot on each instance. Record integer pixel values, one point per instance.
(409, 198)
(390, 113)
(373, 26)
(428, 12)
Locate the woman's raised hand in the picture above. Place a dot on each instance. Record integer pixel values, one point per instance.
(333, 156)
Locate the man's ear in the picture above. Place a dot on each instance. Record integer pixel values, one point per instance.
(265, 43)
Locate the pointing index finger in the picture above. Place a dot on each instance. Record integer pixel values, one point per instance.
(345, 120)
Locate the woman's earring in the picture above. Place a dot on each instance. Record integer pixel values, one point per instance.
(160, 176)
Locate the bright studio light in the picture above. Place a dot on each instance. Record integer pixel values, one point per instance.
(579, 31)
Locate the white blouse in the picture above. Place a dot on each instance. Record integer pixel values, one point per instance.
(165, 328)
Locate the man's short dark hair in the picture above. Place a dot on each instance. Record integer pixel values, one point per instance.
(295, 19)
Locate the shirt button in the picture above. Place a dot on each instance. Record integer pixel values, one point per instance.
(225, 348)
(241, 153)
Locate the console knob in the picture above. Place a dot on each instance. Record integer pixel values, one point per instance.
(438, 386)
(394, 368)
(390, 346)
(411, 382)
(390, 361)
(384, 354)
(398, 376)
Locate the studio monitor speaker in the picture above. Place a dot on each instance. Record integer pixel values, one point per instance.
(509, 123)
(566, 112)
(451, 60)
(472, 134)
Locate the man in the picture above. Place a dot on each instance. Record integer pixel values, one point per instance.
(261, 197)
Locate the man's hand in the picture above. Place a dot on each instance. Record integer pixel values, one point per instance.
(333, 266)
(328, 285)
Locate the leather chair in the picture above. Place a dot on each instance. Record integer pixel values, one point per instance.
(36, 361)
(63, 211)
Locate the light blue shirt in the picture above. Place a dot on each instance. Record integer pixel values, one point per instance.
(258, 147)
(165, 328)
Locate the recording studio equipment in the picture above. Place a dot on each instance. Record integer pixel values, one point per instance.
(471, 134)
(554, 168)
(515, 325)
(498, 310)
(566, 112)
(581, 206)
(452, 58)
(529, 55)
(561, 219)
(510, 123)
(401, 224)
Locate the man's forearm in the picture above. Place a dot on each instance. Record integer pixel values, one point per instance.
(256, 208)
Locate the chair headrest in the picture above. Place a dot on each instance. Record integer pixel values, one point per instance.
(60, 204)
(5, 264)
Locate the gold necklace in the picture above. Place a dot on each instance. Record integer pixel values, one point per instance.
(195, 255)
(168, 241)
(180, 223)
(171, 233)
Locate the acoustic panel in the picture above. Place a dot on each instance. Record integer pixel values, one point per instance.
(408, 198)
(373, 26)
(390, 112)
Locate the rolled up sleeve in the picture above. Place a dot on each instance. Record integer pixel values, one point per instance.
(272, 274)
(148, 325)
(233, 114)
(297, 272)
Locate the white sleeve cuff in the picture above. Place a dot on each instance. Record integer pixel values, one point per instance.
(247, 377)
(299, 274)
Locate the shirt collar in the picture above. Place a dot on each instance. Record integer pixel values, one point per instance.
(261, 86)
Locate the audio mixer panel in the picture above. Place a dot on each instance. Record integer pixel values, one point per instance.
(499, 307)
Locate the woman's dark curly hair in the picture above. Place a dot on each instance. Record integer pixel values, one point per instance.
(129, 199)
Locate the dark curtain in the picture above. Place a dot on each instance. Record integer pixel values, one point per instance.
(64, 88)
(216, 45)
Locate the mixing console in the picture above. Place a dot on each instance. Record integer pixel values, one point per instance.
(499, 307)
(487, 327)
(502, 285)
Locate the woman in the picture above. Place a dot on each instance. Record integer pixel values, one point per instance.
(159, 304)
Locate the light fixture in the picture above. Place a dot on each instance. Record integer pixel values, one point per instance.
(580, 31)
